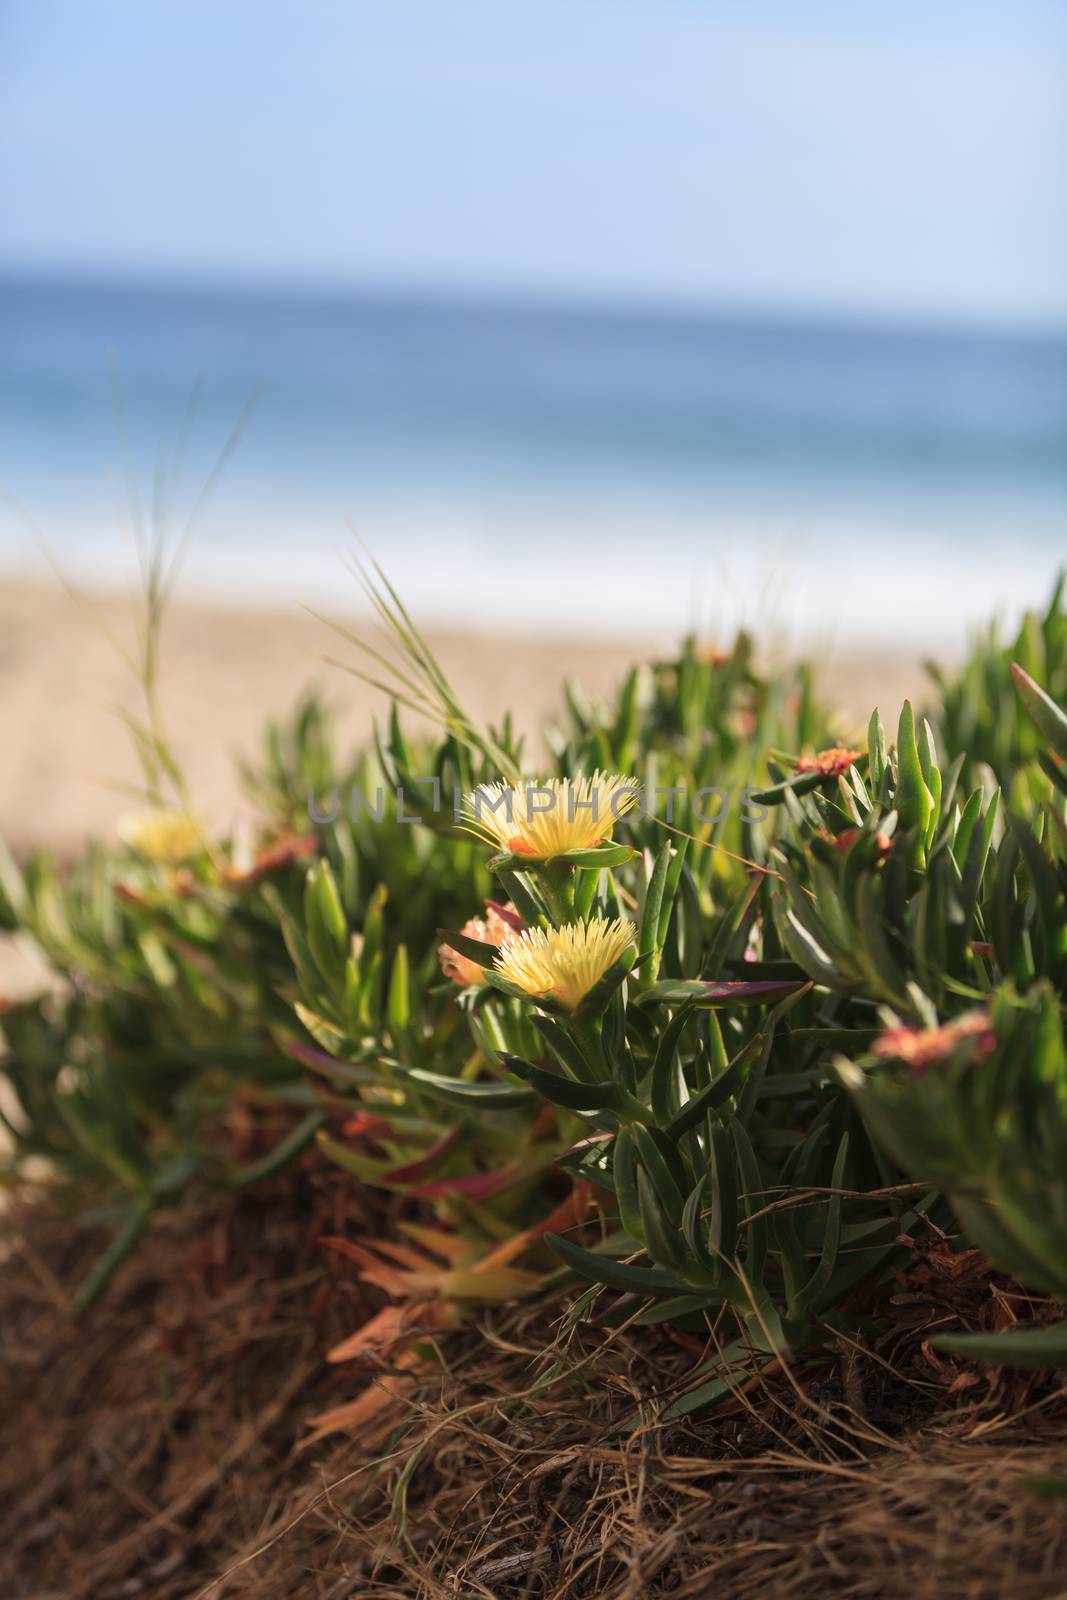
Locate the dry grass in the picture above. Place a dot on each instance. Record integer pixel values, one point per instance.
(143, 1440)
(154, 1448)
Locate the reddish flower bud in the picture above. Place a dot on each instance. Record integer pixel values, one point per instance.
(829, 763)
(920, 1048)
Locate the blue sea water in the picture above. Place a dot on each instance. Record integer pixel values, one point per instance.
(539, 465)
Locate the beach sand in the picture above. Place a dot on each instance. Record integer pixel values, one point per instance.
(224, 672)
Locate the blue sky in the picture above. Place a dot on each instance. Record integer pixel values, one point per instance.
(908, 158)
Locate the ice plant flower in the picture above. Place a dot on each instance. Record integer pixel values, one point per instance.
(498, 924)
(167, 837)
(829, 763)
(564, 963)
(543, 820)
(920, 1048)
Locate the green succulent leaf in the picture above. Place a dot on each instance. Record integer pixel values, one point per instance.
(474, 949)
(700, 992)
(1047, 716)
(468, 1096)
(567, 1092)
(615, 1274)
(1017, 1347)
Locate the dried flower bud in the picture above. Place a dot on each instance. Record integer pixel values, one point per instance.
(920, 1048)
(829, 763)
(282, 852)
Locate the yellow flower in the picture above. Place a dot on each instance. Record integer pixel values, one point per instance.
(498, 924)
(564, 962)
(169, 837)
(542, 820)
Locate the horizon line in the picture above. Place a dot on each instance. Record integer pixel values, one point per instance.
(525, 299)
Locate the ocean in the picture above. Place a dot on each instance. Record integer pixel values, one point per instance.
(539, 466)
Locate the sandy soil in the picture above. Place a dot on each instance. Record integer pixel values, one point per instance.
(66, 752)
(67, 755)
(224, 673)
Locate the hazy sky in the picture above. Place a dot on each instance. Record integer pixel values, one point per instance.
(908, 156)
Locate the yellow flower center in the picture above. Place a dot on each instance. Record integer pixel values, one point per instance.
(542, 820)
(168, 837)
(564, 962)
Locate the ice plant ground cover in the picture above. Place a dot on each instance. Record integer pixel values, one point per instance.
(709, 1074)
